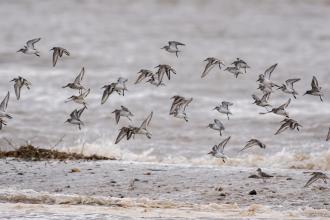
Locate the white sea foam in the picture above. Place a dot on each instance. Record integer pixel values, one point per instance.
(45, 204)
(282, 159)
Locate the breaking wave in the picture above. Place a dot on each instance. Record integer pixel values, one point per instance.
(282, 159)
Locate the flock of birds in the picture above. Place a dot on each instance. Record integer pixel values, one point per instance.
(179, 104)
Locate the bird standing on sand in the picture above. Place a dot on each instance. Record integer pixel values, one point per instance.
(77, 82)
(262, 174)
(211, 63)
(3, 107)
(218, 150)
(316, 89)
(279, 110)
(123, 112)
(288, 123)
(217, 125)
(224, 108)
(58, 52)
(75, 117)
(80, 99)
(254, 142)
(172, 47)
(316, 176)
(19, 83)
(288, 87)
(29, 48)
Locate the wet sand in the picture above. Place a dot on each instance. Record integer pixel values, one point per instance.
(141, 186)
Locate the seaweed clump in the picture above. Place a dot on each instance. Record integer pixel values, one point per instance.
(32, 153)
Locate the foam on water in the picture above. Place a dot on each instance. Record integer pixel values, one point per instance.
(282, 159)
(75, 206)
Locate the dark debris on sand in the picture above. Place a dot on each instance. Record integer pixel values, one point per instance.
(32, 153)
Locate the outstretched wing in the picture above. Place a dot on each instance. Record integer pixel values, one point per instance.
(117, 115)
(31, 43)
(249, 144)
(146, 121)
(285, 105)
(315, 84)
(218, 122)
(85, 94)
(80, 76)
(55, 55)
(223, 144)
(290, 82)
(17, 89)
(208, 67)
(268, 72)
(106, 93)
(80, 111)
(123, 132)
(315, 177)
(283, 127)
(4, 103)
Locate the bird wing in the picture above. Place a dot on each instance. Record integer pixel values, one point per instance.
(55, 56)
(208, 67)
(31, 43)
(265, 97)
(80, 76)
(328, 136)
(285, 105)
(143, 74)
(249, 144)
(290, 82)
(315, 177)
(218, 122)
(74, 114)
(283, 127)
(123, 132)
(223, 144)
(4, 103)
(17, 88)
(106, 93)
(160, 74)
(268, 72)
(85, 94)
(315, 84)
(175, 43)
(146, 121)
(117, 115)
(80, 111)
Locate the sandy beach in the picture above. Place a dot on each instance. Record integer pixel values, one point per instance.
(127, 189)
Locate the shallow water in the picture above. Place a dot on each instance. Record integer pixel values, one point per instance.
(112, 39)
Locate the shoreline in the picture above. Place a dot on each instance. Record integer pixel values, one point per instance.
(162, 186)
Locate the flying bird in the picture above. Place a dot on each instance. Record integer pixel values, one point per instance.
(123, 112)
(288, 123)
(172, 47)
(279, 110)
(253, 142)
(29, 48)
(58, 52)
(263, 102)
(316, 89)
(19, 83)
(224, 108)
(234, 70)
(3, 107)
(77, 82)
(288, 87)
(316, 176)
(218, 150)
(75, 117)
(80, 99)
(240, 64)
(211, 63)
(217, 125)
